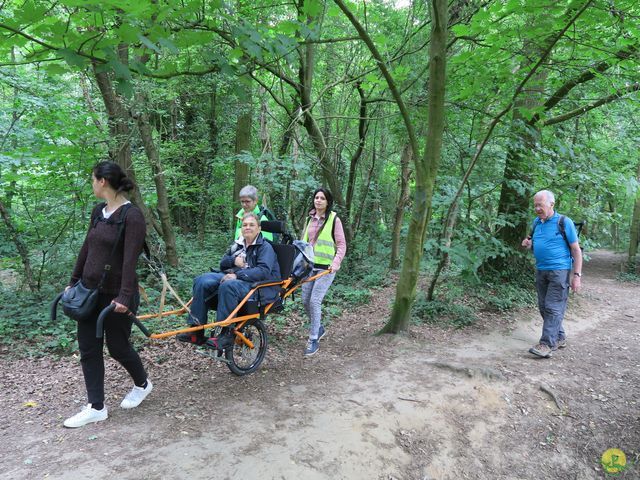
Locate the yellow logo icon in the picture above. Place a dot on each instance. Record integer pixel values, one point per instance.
(613, 460)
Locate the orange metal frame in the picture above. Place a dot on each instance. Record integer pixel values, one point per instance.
(231, 319)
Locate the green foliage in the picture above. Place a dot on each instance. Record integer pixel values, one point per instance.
(26, 327)
(507, 296)
(187, 69)
(628, 277)
(346, 294)
(457, 304)
(442, 312)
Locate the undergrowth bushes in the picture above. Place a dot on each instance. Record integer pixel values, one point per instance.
(458, 303)
(26, 328)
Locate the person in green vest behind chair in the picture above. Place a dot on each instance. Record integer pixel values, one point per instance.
(325, 234)
(249, 201)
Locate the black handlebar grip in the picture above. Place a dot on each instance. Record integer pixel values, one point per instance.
(100, 323)
(54, 305)
(110, 308)
(142, 328)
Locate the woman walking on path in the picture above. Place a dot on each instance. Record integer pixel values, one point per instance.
(325, 233)
(119, 287)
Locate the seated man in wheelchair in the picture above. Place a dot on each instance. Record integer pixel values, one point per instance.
(249, 259)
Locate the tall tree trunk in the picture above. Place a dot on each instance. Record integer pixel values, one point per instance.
(329, 173)
(22, 248)
(243, 144)
(280, 195)
(365, 189)
(265, 139)
(153, 155)
(452, 211)
(403, 200)
(517, 183)
(426, 171)
(355, 158)
(120, 149)
(214, 147)
(634, 231)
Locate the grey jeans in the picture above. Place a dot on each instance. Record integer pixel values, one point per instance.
(553, 292)
(312, 295)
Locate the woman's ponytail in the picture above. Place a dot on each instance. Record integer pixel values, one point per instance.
(113, 173)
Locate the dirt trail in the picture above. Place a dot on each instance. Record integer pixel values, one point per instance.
(431, 404)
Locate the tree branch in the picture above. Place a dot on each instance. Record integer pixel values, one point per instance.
(102, 61)
(579, 111)
(587, 75)
(385, 73)
(552, 44)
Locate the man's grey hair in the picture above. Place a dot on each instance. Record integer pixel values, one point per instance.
(251, 215)
(548, 194)
(249, 191)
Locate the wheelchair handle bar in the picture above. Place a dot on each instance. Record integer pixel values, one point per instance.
(54, 305)
(110, 308)
(103, 315)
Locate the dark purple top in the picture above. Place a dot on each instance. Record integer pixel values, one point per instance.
(121, 280)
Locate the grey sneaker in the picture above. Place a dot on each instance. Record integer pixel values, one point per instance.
(321, 333)
(541, 350)
(85, 416)
(311, 348)
(561, 343)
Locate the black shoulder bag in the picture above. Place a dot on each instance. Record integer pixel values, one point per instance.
(80, 302)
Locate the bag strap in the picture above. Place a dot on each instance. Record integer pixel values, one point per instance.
(122, 223)
(562, 231)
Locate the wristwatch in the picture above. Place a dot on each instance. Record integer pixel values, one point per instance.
(577, 274)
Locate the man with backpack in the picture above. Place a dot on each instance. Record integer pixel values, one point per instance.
(554, 241)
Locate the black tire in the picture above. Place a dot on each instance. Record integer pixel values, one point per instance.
(242, 359)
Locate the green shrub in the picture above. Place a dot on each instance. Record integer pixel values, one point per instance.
(506, 296)
(344, 294)
(442, 312)
(628, 277)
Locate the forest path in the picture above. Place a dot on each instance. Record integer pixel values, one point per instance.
(432, 404)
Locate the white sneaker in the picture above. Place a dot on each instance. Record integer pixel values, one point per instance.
(86, 415)
(136, 396)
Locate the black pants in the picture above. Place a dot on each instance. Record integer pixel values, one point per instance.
(117, 330)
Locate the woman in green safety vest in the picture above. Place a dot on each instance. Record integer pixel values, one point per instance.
(249, 202)
(325, 234)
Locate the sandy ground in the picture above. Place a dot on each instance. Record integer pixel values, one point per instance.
(431, 404)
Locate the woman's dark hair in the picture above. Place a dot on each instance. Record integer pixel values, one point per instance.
(327, 195)
(113, 173)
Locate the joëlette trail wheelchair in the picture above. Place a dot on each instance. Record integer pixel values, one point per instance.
(246, 320)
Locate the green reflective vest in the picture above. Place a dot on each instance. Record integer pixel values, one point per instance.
(240, 214)
(325, 248)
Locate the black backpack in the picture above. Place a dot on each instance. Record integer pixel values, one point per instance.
(271, 217)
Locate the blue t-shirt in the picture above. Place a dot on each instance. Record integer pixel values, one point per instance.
(549, 248)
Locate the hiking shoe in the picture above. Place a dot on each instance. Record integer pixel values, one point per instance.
(311, 348)
(224, 340)
(85, 416)
(197, 337)
(136, 396)
(561, 343)
(321, 333)
(541, 350)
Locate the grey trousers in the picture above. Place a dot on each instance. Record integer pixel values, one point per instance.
(553, 292)
(312, 295)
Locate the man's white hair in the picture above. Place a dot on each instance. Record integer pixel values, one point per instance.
(548, 194)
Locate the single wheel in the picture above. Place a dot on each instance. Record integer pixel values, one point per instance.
(242, 359)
